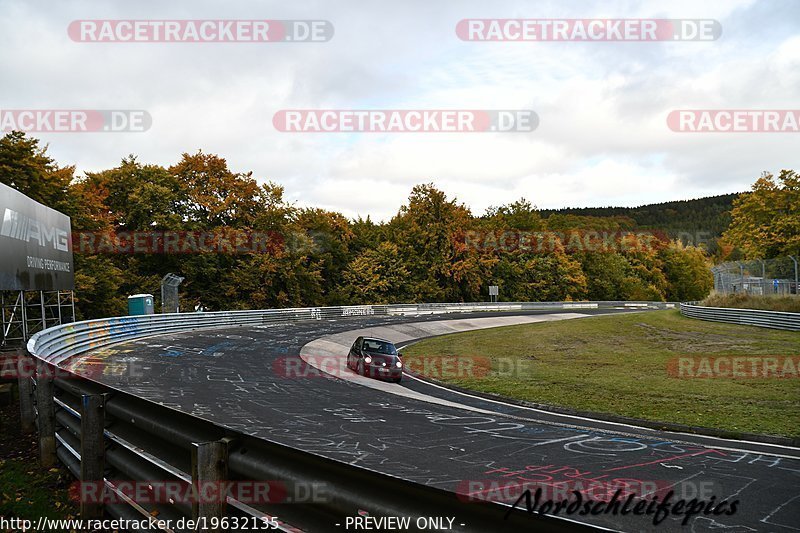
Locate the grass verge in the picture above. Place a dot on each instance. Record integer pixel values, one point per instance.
(617, 364)
(788, 304)
(26, 489)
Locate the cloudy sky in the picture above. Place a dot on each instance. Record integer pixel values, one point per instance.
(602, 106)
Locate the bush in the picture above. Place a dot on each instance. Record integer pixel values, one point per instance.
(789, 304)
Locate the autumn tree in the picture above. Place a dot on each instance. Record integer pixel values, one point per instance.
(540, 277)
(616, 276)
(25, 166)
(377, 276)
(687, 271)
(217, 197)
(319, 257)
(135, 196)
(426, 232)
(765, 222)
(327, 247)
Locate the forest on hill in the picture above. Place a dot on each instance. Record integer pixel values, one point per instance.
(711, 214)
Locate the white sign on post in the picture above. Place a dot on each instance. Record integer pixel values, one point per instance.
(493, 292)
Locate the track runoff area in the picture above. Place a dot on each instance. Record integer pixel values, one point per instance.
(288, 384)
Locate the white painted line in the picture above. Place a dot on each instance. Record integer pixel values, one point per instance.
(337, 345)
(626, 426)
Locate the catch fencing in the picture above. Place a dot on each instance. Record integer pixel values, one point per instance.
(757, 277)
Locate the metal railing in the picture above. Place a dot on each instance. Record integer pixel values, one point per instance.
(150, 445)
(102, 434)
(746, 317)
(60, 343)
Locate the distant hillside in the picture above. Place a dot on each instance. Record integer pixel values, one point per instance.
(711, 214)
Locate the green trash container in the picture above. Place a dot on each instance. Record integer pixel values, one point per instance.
(140, 304)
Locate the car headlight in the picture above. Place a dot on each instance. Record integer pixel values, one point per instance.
(399, 364)
(368, 359)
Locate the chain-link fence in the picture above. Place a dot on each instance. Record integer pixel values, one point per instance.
(778, 276)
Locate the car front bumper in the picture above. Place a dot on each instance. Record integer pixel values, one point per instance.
(386, 372)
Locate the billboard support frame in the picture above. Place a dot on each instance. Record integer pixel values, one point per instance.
(23, 313)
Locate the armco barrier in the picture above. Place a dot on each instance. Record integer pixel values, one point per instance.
(745, 317)
(56, 344)
(143, 441)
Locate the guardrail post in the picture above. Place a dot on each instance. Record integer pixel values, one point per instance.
(24, 376)
(92, 452)
(210, 467)
(46, 414)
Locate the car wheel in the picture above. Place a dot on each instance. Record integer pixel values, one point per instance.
(397, 380)
(361, 371)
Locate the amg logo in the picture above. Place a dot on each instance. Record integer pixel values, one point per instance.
(362, 310)
(23, 228)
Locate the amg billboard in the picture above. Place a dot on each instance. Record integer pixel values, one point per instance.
(35, 245)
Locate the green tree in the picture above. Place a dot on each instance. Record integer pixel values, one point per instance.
(519, 215)
(556, 222)
(605, 275)
(98, 292)
(366, 234)
(137, 197)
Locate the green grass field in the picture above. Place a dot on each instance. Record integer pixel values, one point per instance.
(618, 364)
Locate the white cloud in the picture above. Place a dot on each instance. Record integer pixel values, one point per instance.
(602, 138)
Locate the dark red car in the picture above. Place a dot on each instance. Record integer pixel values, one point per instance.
(377, 358)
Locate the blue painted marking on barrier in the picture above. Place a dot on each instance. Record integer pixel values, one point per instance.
(124, 325)
(210, 350)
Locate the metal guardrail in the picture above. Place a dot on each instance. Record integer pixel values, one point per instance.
(151, 445)
(745, 317)
(140, 440)
(57, 344)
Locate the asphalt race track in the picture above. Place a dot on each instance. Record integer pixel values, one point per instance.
(236, 378)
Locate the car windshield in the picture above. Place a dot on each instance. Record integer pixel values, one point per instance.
(379, 347)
